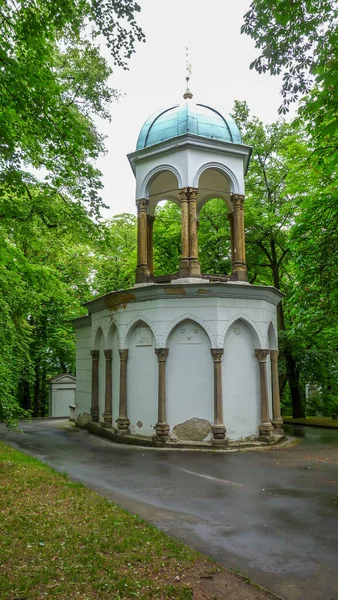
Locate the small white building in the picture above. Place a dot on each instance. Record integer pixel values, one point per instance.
(61, 395)
(187, 358)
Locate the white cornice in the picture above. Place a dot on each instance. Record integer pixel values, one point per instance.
(190, 140)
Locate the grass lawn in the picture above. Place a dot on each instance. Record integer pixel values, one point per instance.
(315, 421)
(59, 539)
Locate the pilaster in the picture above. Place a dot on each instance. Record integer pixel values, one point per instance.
(265, 427)
(123, 421)
(162, 427)
(108, 399)
(276, 416)
(239, 264)
(142, 269)
(218, 428)
(94, 410)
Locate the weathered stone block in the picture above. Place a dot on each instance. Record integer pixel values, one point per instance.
(194, 429)
(83, 420)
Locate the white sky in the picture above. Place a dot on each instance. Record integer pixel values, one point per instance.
(220, 58)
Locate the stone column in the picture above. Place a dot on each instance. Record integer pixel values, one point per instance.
(265, 427)
(142, 269)
(162, 427)
(108, 399)
(194, 265)
(184, 262)
(240, 267)
(150, 244)
(231, 222)
(218, 429)
(276, 417)
(123, 421)
(94, 410)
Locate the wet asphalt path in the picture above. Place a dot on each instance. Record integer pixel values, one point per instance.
(271, 515)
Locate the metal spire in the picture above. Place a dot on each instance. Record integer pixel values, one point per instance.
(187, 94)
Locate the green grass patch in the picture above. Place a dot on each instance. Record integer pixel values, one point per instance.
(59, 539)
(315, 421)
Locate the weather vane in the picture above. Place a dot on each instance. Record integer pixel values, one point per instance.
(187, 94)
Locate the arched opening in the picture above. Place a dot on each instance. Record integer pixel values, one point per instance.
(113, 345)
(167, 237)
(99, 345)
(142, 376)
(189, 382)
(241, 389)
(214, 238)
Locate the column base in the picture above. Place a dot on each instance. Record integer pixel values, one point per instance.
(183, 271)
(240, 273)
(194, 268)
(278, 425)
(123, 426)
(142, 274)
(162, 430)
(107, 421)
(218, 435)
(265, 432)
(160, 439)
(95, 414)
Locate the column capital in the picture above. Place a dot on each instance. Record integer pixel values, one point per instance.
(237, 200)
(274, 355)
(151, 219)
(95, 354)
(217, 354)
(142, 204)
(108, 354)
(262, 355)
(192, 193)
(183, 192)
(161, 354)
(123, 355)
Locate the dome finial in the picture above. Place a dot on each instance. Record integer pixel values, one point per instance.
(187, 94)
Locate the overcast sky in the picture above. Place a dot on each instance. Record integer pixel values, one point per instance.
(220, 58)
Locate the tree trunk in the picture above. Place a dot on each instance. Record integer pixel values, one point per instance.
(37, 397)
(292, 372)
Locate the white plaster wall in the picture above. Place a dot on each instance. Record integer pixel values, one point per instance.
(83, 370)
(189, 374)
(62, 397)
(241, 386)
(142, 381)
(215, 317)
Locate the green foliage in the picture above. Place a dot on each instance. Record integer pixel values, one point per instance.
(53, 83)
(115, 255)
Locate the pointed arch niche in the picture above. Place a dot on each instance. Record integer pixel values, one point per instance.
(241, 383)
(142, 375)
(99, 345)
(190, 391)
(113, 345)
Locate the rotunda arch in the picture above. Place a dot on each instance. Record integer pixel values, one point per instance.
(161, 183)
(215, 180)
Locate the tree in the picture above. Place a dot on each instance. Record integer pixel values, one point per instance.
(53, 82)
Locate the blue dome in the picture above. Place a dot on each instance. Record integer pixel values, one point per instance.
(198, 119)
